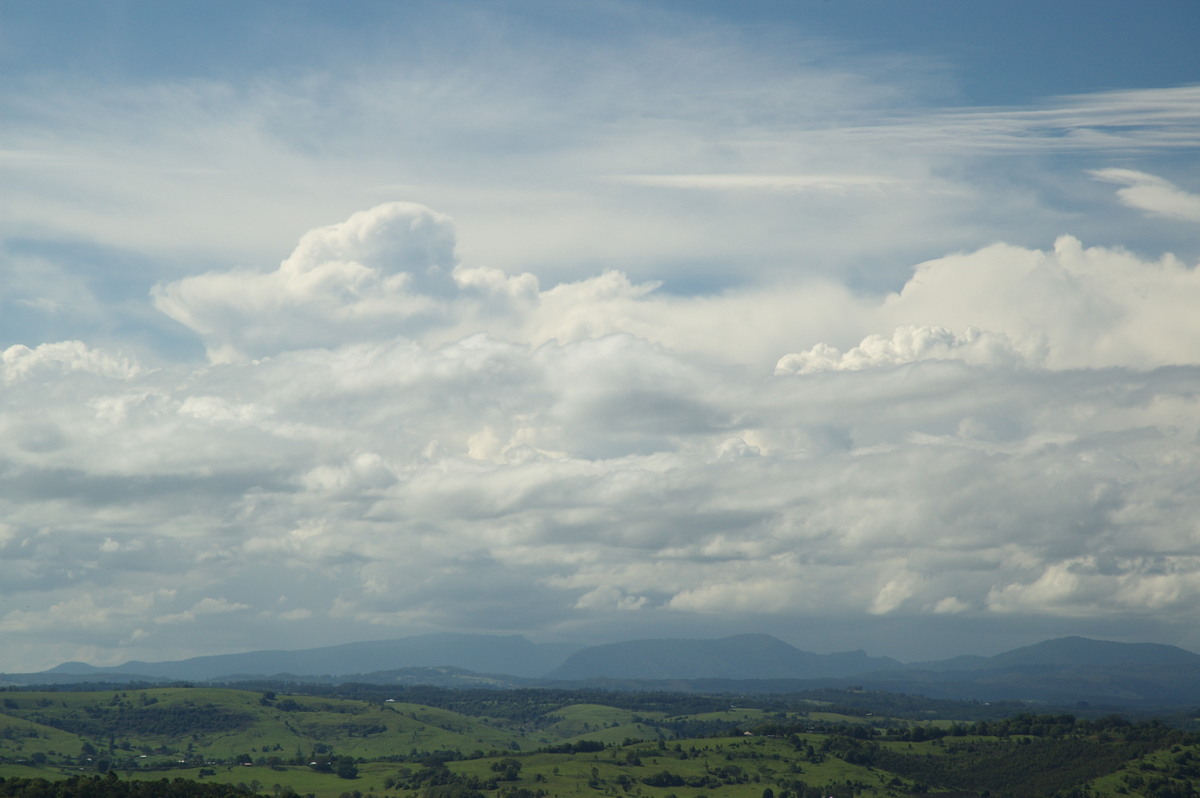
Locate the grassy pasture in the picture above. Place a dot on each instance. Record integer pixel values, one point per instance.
(267, 741)
(160, 729)
(609, 725)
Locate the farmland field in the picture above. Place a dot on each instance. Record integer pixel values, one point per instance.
(542, 744)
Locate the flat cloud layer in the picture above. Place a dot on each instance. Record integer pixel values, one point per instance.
(621, 321)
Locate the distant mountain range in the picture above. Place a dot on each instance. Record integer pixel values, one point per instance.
(1062, 671)
(1066, 669)
(511, 654)
(740, 657)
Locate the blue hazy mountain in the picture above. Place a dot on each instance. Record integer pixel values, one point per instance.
(509, 654)
(1062, 671)
(1065, 651)
(749, 656)
(1066, 669)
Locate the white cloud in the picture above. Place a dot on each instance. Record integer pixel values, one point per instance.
(1117, 121)
(20, 362)
(381, 271)
(609, 598)
(1152, 194)
(892, 595)
(721, 182)
(907, 344)
(1003, 306)
(78, 612)
(801, 157)
(206, 606)
(598, 447)
(950, 605)
(671, 363)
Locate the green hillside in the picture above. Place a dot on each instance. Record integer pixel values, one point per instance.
(329, 747)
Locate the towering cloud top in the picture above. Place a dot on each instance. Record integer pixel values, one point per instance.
(384, 270)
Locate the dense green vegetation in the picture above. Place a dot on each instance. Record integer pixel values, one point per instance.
(110, 786)
(360, 740)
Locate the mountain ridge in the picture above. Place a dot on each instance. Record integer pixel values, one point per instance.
(512, 654)
(1059, 670)
(746, 656)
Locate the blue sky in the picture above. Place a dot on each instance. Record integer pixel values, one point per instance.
(998, 52)
(865, 324)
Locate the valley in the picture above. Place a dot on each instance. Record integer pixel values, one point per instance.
(420, 742)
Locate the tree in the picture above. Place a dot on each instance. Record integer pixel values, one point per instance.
(346, 768)
(508, 768)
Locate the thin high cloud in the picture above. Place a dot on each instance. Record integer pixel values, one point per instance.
(175, 168)
(1129, 121)
(1152, 194)
(718, 182)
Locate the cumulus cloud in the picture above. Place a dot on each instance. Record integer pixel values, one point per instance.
(907, 344)
(1018, 440)
(382, 271)
(20, 362)
(701, 330)
(1003, 306)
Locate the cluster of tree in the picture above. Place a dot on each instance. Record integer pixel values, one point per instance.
(507, 769)
(109, 786)
(1176, 777)
(346, 767)
(798, 788)
(521, 706)
(92, 687)
(287, 705)
(580, 747)
(124, 720)
(440, 780)
(690, 728)
(717, 777)
(436, 780)
(349, 729)
(1024, 724)
(856, 701)
(1108, 727)
(1028, 766)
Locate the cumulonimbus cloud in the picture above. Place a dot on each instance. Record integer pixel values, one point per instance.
(420, 442)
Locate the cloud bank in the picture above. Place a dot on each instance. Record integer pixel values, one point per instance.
(389, 440)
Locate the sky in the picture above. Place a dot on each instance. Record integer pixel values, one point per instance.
(866, 324)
